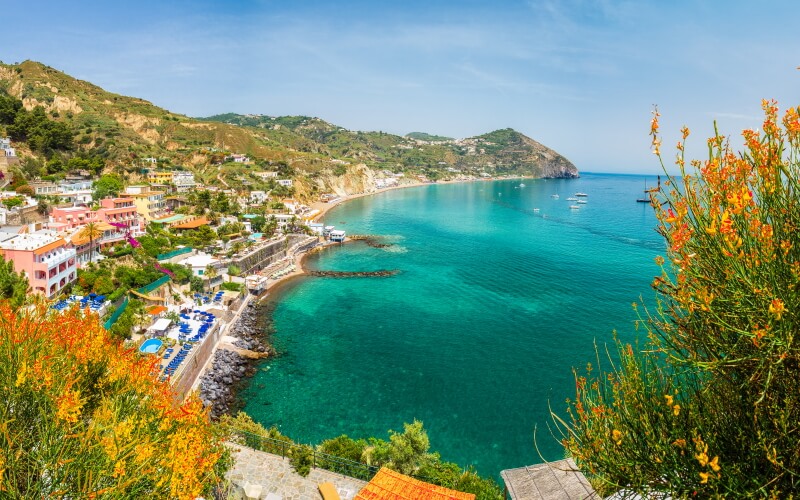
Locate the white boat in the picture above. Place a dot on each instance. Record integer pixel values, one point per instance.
(554, 196)
(536, 210)
(574, 207)
(522, 185)
(572, 198)
(581, 194)
(582, 201)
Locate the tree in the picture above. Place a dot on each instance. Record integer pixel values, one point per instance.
(257, 223)
(43, 207)
(234, 270)
(13, 286)
(211, 273)
(107, 185)
(92, 231)
(405, 452)
(84, 416)
(13, 201)
(196, 284)
(709, 405)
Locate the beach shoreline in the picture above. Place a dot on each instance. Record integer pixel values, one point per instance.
(325, 207)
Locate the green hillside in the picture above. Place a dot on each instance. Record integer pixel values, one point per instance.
(422, 136)
(126, 130)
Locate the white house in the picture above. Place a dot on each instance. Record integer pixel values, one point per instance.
(283, 219)
(266, 175)
(258, 197)
(285, 182)
(199, 262)
(5, 147)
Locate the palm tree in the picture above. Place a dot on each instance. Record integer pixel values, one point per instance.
(211, 273)
(91, 230)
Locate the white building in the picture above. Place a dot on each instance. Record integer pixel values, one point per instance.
(183, 181)
(199, 262)
(285, 182)
(266, 175)
(5, 147)
(283, 219)
(258, 197)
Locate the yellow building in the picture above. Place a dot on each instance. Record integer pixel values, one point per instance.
(159, 177)
(149, 204)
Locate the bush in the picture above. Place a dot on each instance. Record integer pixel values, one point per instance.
(83, 416)
(709, 404)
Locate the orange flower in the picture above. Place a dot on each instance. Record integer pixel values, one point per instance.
(704, 477)
(676, 410)
(777, 308)
(69, 406)
(702, 457)
(714, 464)
(669, 399)
(616, 436)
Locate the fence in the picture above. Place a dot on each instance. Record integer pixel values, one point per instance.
(286, 448)
(114, 317)
(152, 286)
(174, 253)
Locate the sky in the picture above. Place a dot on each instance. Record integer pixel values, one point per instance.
(579, 76)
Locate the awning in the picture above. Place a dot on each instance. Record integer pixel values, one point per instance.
(160, 325)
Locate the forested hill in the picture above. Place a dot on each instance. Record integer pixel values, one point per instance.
(496, 153)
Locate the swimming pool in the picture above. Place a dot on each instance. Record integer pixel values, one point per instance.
(151, 346)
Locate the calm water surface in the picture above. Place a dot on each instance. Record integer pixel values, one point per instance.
(494, 304)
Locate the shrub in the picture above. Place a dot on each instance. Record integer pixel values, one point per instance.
(84, 417)
(709, 404)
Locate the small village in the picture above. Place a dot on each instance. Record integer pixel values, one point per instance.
(166, 265)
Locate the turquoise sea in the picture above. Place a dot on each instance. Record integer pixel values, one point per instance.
(478, 333)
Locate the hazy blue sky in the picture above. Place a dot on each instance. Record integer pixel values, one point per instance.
(578, 76)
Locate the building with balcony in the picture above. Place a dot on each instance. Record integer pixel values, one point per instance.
(159, 177)
(120, 211)
(46, 259)
(87, 249)
(149, 204)
(41, 188)
(112, 210)
(183, 181)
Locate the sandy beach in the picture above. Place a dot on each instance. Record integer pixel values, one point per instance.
(324, 207)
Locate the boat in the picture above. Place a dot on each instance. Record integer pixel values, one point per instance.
(554, 196)
(572, 198)
(581, 194)
(574, 207)
(536, 210)
(582, 201)
(521, 184)
(648, 191)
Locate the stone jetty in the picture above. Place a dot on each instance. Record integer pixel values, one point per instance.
(229, 367)
(383, 273)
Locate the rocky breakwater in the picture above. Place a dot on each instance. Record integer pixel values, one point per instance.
(383, 273)
(218, 386)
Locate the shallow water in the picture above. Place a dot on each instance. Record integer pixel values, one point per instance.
(477, 334)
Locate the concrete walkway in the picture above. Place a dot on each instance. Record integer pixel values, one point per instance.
(278, 481)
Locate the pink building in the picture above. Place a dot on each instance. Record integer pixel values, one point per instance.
(117, 210)
(47, 260)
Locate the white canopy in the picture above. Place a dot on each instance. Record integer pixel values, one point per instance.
(160, 325)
